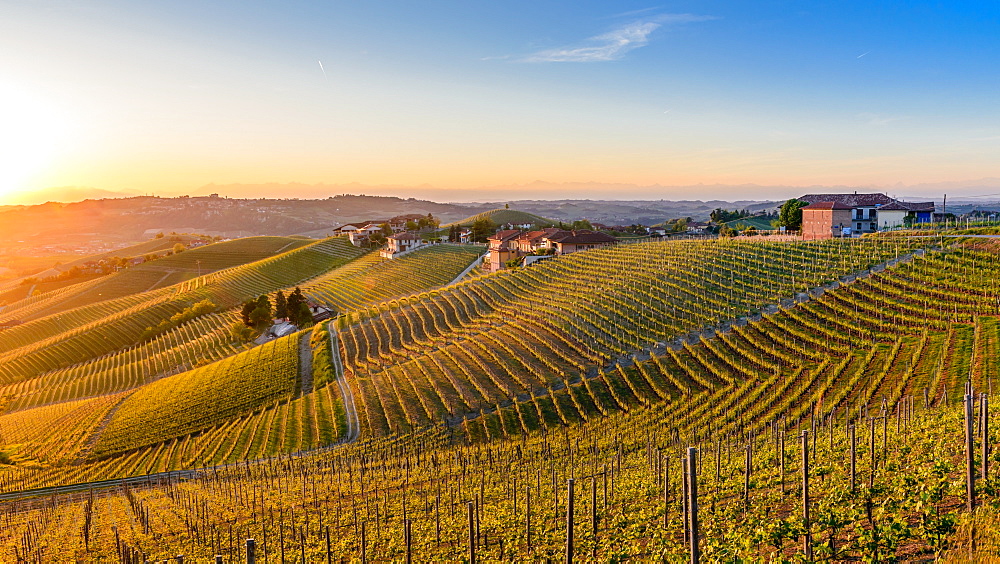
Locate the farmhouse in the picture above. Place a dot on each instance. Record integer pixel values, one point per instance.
(320, 312)
(842, 215)
(510, 244)
(400, 243)
(824, 220)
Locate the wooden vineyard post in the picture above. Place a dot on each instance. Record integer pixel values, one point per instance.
(692, 476)
(329, 552)
(970, 477)
(408, 540)
(781, 460)
(684, 496)
(472, 532)
(746, 479)
(807, 538)
(364, 544)
(718, 458)
(984, 416)
(666, 491)
(593, 512)
(527, 519)
(570, 503)
(251, 551)
(871, 453)
(854, 457)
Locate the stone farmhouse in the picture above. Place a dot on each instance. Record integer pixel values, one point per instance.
(847, 215)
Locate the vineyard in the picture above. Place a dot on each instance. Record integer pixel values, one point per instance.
(501, 216)
(209, 400)
(882, 484)
(833, 396)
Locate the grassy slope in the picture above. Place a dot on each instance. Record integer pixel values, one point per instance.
(501, 216)
(202, 397)
(92, 330)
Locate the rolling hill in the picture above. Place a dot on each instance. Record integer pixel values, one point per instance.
(490, 399)
(501, 216)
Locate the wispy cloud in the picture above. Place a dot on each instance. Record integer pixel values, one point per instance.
(614, 44)
(879, 119)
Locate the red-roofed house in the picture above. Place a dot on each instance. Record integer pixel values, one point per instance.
(512, 244)
(867, 213)
(566, 242)
(503, 247)
(824, 220)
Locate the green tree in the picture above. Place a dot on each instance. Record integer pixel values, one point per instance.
(260, 318)
(298, 309)
(790, 216)
(386, 229)
(280, 305)
(246, 311)
(179, 248)
(482, 228)
(262, 314)
(412, 225)
(582, 224)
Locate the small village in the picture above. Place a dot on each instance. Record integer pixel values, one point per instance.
(823, 216)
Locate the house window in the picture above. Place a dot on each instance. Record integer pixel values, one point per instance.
(873, 226)
(859, 227)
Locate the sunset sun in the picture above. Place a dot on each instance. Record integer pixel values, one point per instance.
(31, 133)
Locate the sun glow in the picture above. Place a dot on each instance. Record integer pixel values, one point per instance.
(32, 132)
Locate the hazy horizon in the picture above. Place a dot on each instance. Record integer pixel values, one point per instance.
(969, 191)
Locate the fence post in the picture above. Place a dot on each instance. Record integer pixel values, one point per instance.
(364, 543)
(854, 457)
(781, 455)
(984, 415)
(692, 474)
(807, 539)
(408, 539)
(527, 519)
(569, 520)
(970, 477)
(251, 551)
(666, 491)
(472, 532)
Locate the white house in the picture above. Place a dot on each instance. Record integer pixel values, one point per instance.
(399, 243)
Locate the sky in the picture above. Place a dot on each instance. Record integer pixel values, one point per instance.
(166, 97)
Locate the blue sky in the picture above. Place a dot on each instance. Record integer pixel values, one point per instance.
(170, 96)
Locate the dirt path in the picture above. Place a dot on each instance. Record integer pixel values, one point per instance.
(99, 430)
(353, 423)
(305, 365)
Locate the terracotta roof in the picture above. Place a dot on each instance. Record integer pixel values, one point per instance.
(583, 236)
(405, 236)
(827, 206)
(850, 200)
(532, 236)
(909, 206)
(505, 235)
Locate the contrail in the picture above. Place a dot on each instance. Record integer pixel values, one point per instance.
(321, 68)
(862, 54)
